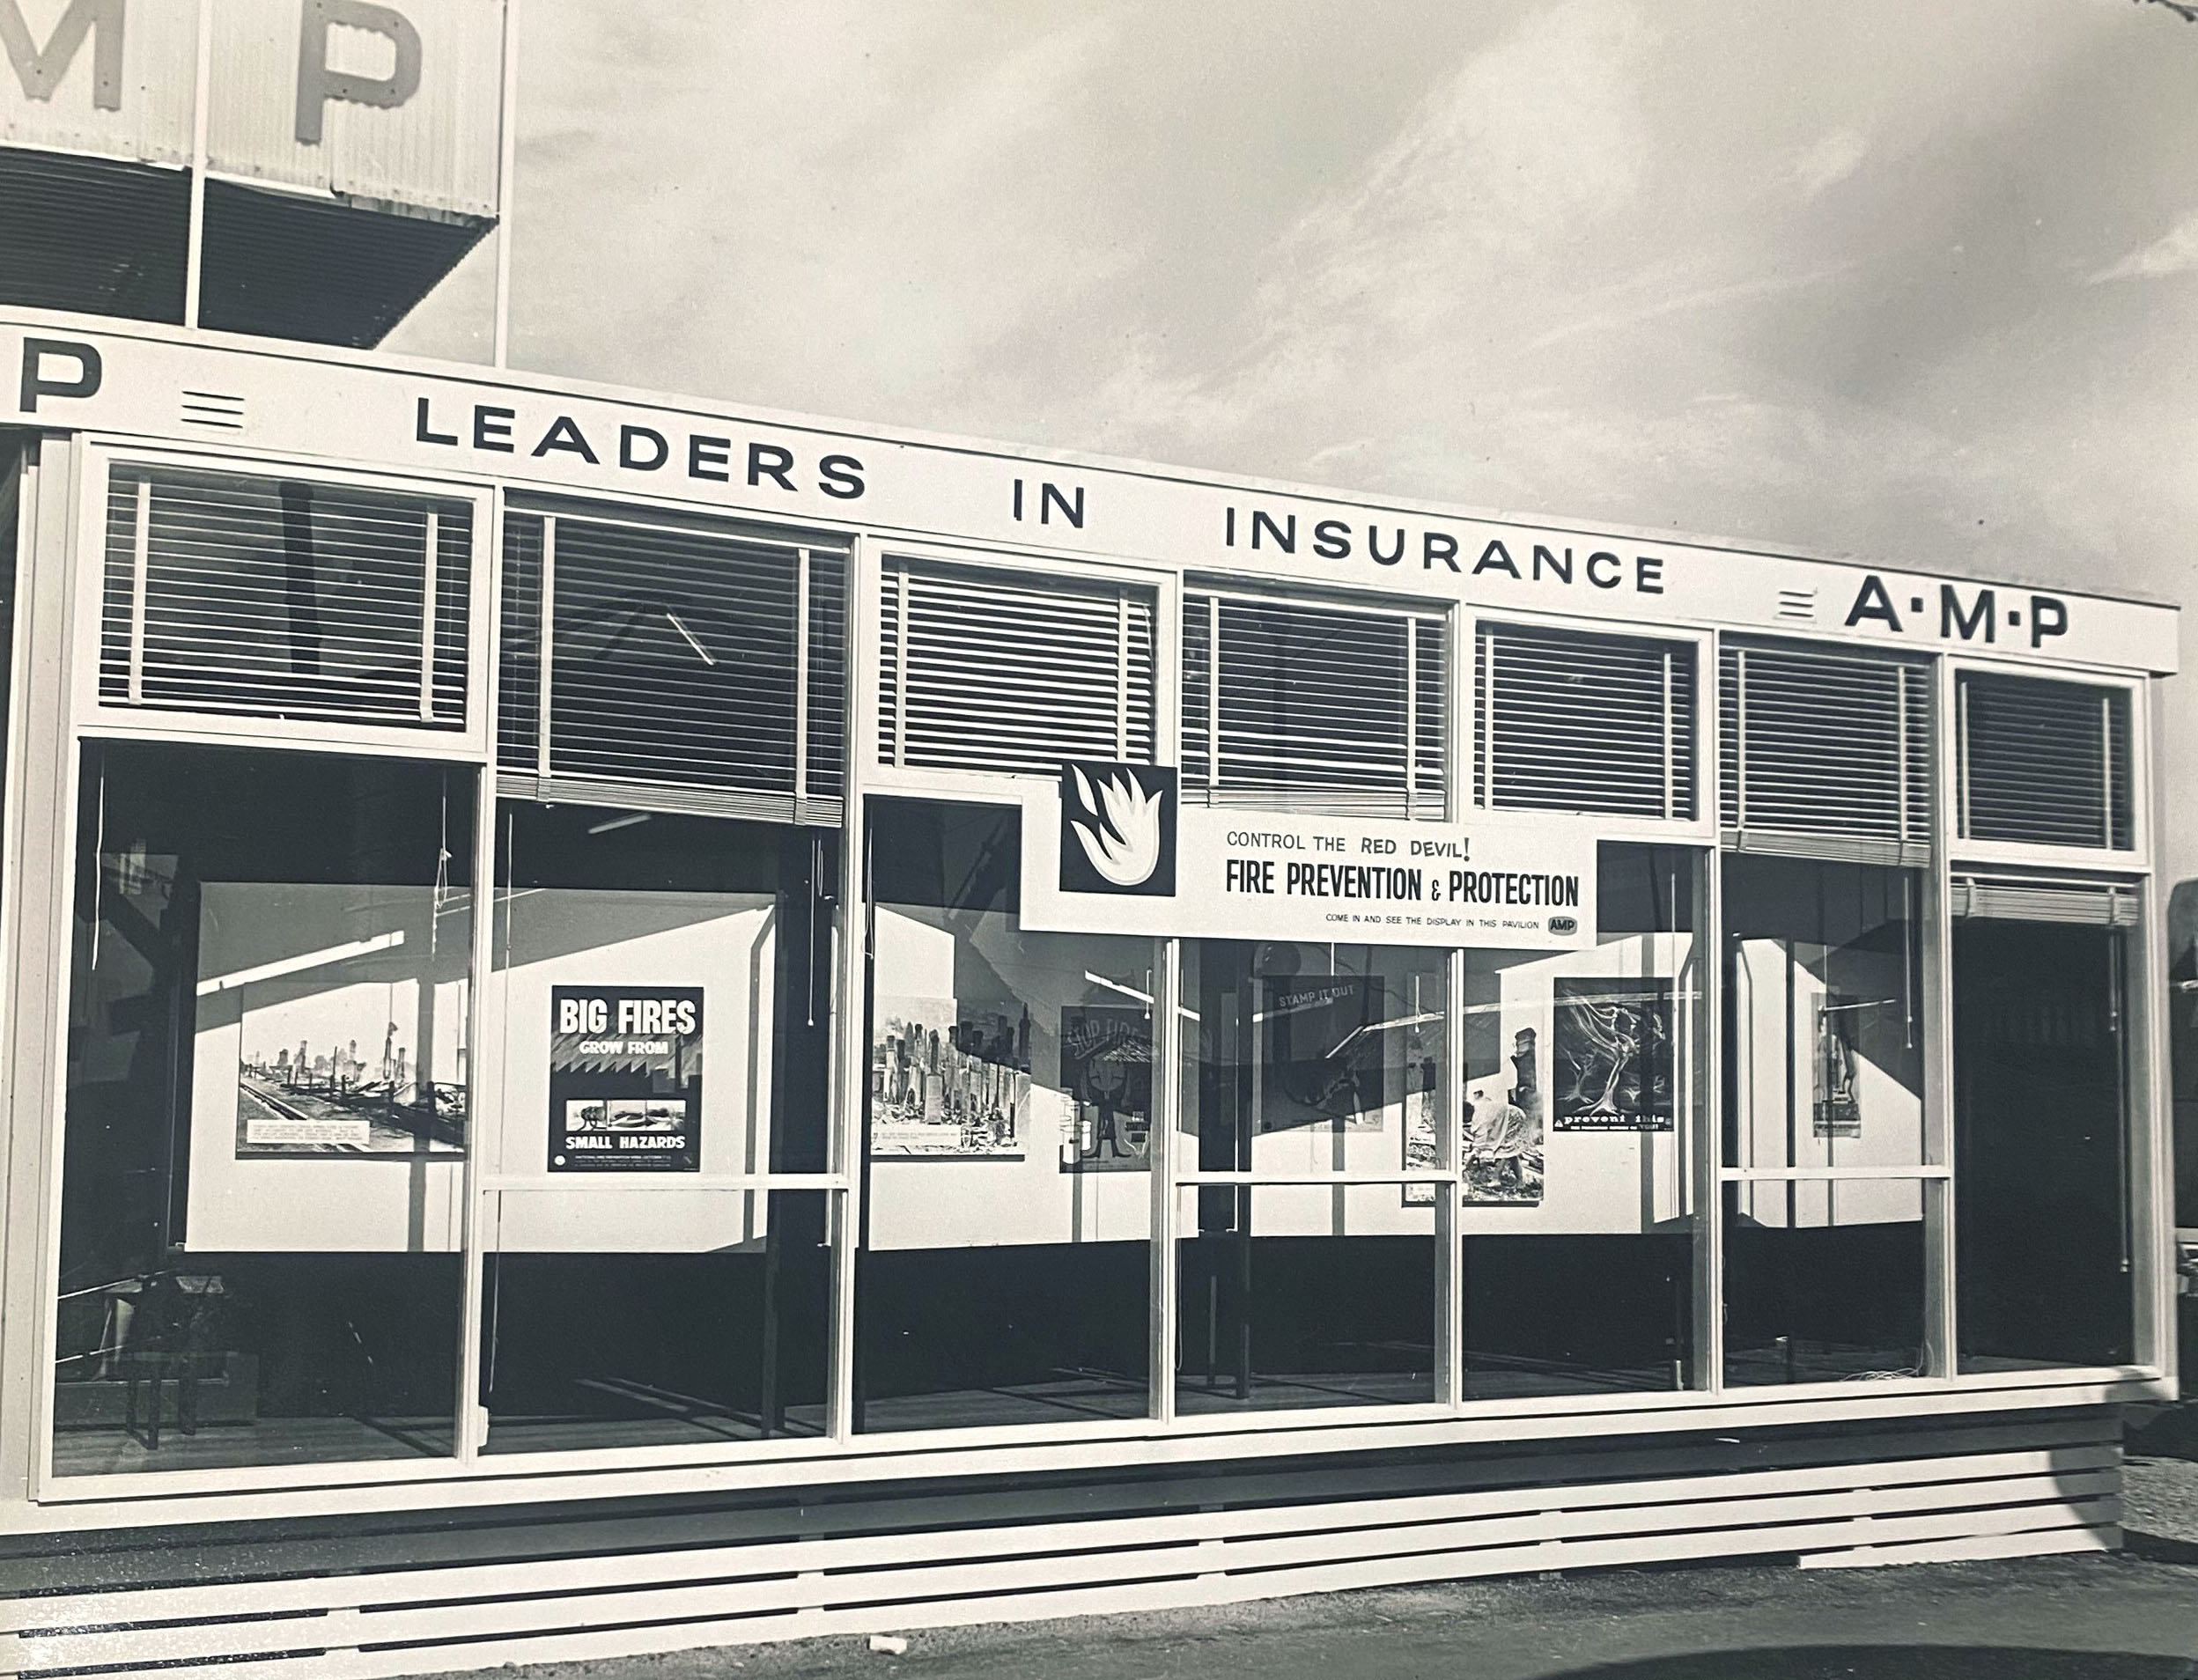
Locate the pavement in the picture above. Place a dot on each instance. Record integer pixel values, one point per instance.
(2100, 1616)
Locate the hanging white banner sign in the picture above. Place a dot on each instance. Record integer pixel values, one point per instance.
(1110, 850)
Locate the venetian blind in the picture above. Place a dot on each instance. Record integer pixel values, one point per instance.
(2043, 761)
(2033, 898)
(1010, 672)
(1825, 754)
(285, 598)
(1314, 706)
(672, 667)
(1566, 720)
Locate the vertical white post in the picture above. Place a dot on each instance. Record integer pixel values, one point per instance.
(1941, 1314)
(2150, 1105)
(194, 252)
(507, 126)
(851, 1050)
(1160, 1163)
(472, 1417)
(1450, 1353)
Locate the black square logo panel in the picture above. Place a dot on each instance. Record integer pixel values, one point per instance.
(1119, 829)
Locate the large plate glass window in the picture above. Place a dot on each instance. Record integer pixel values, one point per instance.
(2041, 1116)
(1824, 1128)
(268, 1110)
(281, 597)
(657, 1270)
(1007, 1142)
(1325, 1065)
(1584, 1092)
(1328, 706)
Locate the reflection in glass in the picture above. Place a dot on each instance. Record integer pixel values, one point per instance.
(266, 1110)
(1003, 1274)
(1825, 1300)
(1307, 1059)
(1824, 1069)
(1583, 1091)
(663, 984)
(1295, 1295)
(1824, 1041)
(2041, 1162)
(635, 1349)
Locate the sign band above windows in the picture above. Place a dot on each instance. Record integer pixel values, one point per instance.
(563, 438)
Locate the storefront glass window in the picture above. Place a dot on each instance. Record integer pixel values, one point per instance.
(2040, 1152)
(268, 1110)
(1823, 1091)
(662, 984)
(1296, 1296)
(1311, 1060)
(1008, 1201)
(1584, 1091)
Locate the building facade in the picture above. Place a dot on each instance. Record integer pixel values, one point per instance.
(632, 1023)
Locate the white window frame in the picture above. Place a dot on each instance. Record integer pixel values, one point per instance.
(2021, 854)
(874, 555)
(1699, 830)
(1447, 613)
(104, 457)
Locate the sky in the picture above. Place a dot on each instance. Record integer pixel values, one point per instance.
(1911, 283)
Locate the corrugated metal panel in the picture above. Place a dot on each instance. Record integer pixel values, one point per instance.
(2030, 898)
(150, 118)
(1825, 754)
(92, 235)
(290, 267)
(438, 148)
(1010, 672)
(1571, 721)
(2045, 762)
(622, 1582)
(1314, 706)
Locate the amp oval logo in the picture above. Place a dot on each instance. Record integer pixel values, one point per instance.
(1119, 829)
(1563, 925)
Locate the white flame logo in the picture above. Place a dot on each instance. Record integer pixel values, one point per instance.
(1123, 840)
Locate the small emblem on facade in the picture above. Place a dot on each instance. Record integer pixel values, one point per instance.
(1119, 829)
(1563, 924)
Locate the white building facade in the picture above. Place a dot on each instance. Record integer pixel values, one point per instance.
(632, 1023)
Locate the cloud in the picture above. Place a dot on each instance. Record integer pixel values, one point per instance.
(2176, 253)
(1831, 159)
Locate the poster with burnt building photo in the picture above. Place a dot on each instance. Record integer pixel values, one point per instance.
(949, 1080)
(1504, 1125)
(1107, 1073)
(1611, 1059)
(625, 1079)
(342, 1014)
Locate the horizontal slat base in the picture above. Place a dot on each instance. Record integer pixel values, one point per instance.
(590, 1582)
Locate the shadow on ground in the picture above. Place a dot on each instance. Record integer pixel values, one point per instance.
(1895, 1662)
